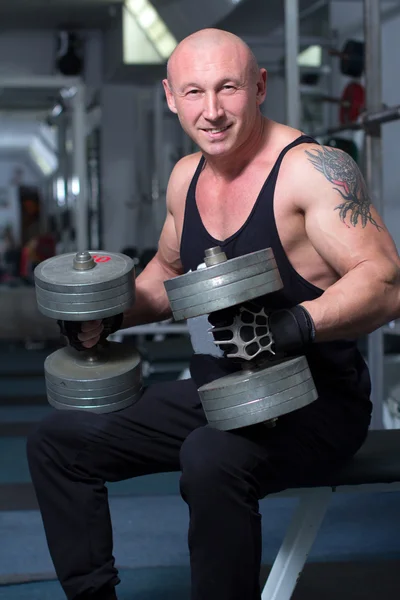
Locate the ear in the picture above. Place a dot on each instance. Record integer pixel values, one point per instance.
(261, 86)
(169, 96)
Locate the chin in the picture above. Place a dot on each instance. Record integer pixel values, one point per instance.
(215, 147)
(213, 151)
(218, 148)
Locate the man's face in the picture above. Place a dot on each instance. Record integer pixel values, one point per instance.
(215, 96)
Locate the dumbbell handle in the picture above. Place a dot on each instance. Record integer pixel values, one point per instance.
(83, 261)
(91, 355)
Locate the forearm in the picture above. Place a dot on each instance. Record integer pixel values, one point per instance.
(151, 302)
(357, 304)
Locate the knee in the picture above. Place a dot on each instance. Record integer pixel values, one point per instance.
(204, 460)
(62, 429)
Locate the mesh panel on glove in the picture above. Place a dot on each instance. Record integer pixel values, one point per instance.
(247, 331)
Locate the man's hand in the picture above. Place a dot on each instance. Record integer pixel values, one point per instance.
(86, 334)
(242, 331)
(292, 329)
(247, 331)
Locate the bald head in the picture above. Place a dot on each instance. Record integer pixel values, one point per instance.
(205, 40)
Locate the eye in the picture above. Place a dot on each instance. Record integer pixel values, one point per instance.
(192, 92)
(228, 88)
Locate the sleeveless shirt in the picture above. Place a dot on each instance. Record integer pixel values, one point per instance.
(338, 368)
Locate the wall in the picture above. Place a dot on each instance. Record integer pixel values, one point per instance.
(274, 106)
(33, 53)
(118, 166)
(26, 53)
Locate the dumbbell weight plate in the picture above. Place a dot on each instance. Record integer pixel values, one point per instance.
(85, 310)
(261, 394)
(84, 297)
(223, 285)
(76, 295)
(110, 382)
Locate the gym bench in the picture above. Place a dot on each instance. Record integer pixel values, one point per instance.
(375, 468)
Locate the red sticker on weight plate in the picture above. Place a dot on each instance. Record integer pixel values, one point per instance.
(101, 259)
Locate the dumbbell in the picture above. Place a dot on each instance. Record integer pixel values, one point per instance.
(263, 389)
(88, 286)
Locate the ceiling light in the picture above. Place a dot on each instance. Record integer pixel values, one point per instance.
(156, 31)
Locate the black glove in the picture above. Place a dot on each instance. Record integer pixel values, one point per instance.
(70, 330)
(290, 329)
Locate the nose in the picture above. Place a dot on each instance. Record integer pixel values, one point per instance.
(213, 109)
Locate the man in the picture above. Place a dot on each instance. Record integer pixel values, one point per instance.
(254, 184)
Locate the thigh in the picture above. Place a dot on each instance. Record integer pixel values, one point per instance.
(300, 449)
(307, 445)
(143, 438)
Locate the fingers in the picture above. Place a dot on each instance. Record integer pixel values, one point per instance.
(90, 333)
(87, 326)
(223, 317)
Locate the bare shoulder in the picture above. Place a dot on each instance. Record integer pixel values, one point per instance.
(313, 160)
(280, 136)
(314, 169)
(323, 158)
(180, 179)
(326, 187)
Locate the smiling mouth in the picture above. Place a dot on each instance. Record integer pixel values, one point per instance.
(216, 129)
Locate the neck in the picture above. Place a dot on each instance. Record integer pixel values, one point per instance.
(232, 164)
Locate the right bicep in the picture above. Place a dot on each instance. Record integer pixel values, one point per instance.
(168, 254)
(168, 247)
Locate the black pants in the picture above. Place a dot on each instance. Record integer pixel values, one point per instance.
(224, 474)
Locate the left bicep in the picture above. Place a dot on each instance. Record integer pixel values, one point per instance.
(340, 220)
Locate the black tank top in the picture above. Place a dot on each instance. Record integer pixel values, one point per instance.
(338, 368)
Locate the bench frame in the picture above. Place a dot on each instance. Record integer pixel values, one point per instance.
(302, 531)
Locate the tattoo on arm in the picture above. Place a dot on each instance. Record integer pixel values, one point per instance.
(341, 170)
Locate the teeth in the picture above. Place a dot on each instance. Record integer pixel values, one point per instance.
(217, 130)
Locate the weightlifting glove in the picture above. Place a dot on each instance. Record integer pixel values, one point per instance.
(70, 330)
(292, 329)
(246, 331)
